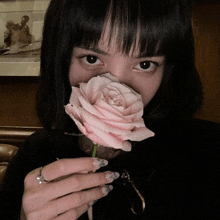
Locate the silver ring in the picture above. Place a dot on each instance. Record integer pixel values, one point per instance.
(40, 179)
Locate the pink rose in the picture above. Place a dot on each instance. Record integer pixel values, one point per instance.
(108, 113)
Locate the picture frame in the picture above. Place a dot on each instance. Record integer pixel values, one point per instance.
(21, 25)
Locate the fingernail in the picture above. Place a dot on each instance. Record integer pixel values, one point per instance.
(111, 176)
(106, 189)
(92, 203)
(100, 162)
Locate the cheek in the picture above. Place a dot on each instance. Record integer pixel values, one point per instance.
(73, 74)
(149, 93)
(149, 89)
(77, 74)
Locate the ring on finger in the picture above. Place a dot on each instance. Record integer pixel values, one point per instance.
(40, 179)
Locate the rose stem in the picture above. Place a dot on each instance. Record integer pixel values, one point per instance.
(96, 146)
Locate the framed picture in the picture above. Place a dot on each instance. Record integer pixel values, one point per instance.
(21, 24)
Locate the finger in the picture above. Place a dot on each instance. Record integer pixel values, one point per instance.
(69, 166)
(64, 167)
(73, 214)
(77, 183)
(71, 202)
(35, 199)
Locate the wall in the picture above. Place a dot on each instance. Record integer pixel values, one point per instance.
(17, 98)
(206, 26)
(18, 117)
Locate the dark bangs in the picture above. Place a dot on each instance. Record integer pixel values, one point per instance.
(152, 28)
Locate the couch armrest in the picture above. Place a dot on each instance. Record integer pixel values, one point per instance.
(7, 152)
(3, 168)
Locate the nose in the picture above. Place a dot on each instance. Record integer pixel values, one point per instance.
(118, 67)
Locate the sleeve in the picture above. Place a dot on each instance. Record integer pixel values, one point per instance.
(29, 157)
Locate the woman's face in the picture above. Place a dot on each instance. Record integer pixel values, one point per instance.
(143, 74)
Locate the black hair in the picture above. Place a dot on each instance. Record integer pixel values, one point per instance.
(159, 27)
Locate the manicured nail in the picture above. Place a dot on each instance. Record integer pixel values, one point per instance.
(106, 189)
(100, 162)
(111, 176)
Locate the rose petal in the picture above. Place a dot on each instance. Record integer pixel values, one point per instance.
(136, 107)
(111, 141)
(78, 100)
(110, 76)
(94, 86)
(129, 94)
(120, 87)
(131, 99)
(95, 122)
(126, 125)
(86, 105)
(69, 109)
(112, 114)
(108, 112)
(92, 136)
(134, 117)
(72, 110)
(119, 125)
(111, 95)
(139, 134)
(109, 115)
(101, 103)
(74, 96)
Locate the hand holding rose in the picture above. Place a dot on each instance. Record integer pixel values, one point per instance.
(69, 190)
(108, 113)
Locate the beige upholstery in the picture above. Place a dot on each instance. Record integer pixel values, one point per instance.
(7, 152)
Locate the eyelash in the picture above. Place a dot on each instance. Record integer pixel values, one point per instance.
(84, 57)
(155, 64)
(152, 66)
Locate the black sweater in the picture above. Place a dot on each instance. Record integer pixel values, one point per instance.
(177, 172)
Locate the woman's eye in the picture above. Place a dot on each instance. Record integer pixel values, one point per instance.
(146, 66)
(91, 60)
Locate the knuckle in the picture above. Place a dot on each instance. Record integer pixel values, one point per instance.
(101, 178)
(28, 180)
(32, 199)
(78, 200)
(60, 166)
(32, 216)
(28, 197)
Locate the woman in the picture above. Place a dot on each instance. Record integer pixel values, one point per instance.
(148, 45)
(8, 33)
